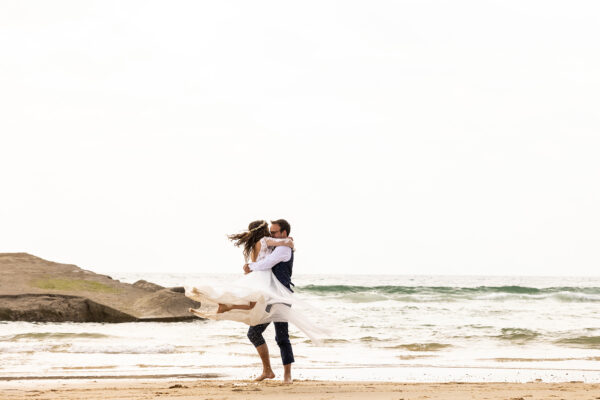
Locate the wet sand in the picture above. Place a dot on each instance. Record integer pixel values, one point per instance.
(306, 390)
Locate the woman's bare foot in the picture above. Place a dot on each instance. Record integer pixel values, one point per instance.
(223, 308)
(265, 375)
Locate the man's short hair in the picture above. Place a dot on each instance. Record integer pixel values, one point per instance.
(283, 224)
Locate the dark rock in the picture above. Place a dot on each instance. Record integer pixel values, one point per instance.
(33, 289)
(57, 308)
(157, 302)
(148, 286)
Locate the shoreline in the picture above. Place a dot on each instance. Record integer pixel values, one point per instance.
(109, 377)
(343, 374)
(134, 389)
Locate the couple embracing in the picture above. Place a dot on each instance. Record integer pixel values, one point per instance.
(263, 295)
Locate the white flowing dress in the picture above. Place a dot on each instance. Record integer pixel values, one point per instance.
(274, 302)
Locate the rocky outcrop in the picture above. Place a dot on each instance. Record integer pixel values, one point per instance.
(57, 308)
(33, 289)
(148, 286)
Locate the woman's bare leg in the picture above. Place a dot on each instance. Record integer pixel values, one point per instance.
(228, 307)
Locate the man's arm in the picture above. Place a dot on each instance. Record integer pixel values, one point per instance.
(281, 253)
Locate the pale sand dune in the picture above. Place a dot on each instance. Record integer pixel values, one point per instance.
(305, 390)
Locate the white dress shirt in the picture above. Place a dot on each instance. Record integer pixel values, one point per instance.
(280, 254)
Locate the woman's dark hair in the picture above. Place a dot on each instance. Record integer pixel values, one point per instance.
(283, 224)
(256, 231)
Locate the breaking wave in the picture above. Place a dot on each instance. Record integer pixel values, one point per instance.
(586, 342)
(52, 335)
(360, 294)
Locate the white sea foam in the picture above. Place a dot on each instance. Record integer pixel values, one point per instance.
(576, 297)
(124, 349)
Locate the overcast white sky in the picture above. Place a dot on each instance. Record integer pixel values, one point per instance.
(397, 137)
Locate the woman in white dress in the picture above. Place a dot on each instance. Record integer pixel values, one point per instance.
(257, 297)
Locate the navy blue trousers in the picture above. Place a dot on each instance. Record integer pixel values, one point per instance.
(282, 338)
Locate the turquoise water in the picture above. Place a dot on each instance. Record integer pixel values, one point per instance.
(401, 328)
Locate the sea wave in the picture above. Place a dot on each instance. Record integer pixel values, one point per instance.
(53, 335)
(587, 342)
(360, 294)
(517, 335)
(422, 346)
(82, 348)
(125, 349)
(28, 348)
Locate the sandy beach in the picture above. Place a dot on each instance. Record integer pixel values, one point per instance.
(313, 390)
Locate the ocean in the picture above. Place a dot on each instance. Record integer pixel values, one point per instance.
(384, 328)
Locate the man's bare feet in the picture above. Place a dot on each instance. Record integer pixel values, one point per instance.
(265, 375)
(287, 374)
